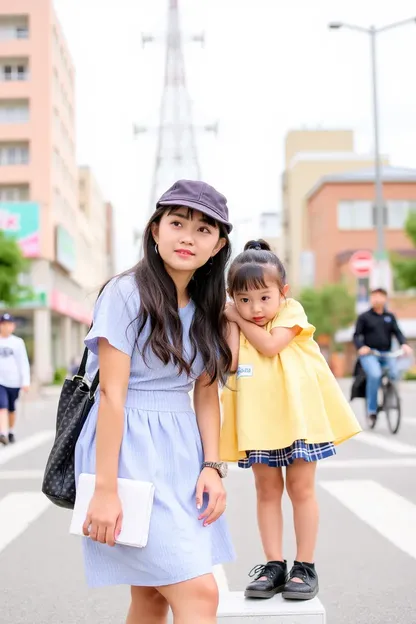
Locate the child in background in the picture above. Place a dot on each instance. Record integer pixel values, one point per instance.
(14, 375)
(283, 408)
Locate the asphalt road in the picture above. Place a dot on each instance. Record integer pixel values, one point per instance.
(366, 556)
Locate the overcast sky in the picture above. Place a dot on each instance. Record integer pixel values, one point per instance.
(267, 67)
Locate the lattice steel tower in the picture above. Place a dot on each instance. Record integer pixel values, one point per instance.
(176, 154)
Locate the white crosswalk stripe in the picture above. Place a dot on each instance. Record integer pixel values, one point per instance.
(17, 512)
(391, 515)
(24, 446)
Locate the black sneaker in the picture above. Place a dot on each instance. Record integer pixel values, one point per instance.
(3, 439)
(12, 438)
(309, 586)
(269, 580)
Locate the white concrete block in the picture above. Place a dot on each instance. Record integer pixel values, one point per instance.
(235, 609)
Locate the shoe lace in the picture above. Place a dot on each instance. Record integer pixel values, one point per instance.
(299, 570)
(262, 570)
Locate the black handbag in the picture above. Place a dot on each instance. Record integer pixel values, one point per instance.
(75, 402)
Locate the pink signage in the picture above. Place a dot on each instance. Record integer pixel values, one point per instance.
(21, 221)
(61, 303)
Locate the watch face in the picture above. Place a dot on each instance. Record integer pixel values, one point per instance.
(223, 469)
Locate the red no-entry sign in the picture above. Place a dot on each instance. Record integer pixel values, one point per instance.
(361, 263)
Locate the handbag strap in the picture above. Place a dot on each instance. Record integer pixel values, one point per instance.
(83, 365)
(82, 370)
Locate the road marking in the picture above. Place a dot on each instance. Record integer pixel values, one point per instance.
(387, 444)
(391, 515)
(388, 462)
(20, 475)
(17, 511)
(221, 578)
(24, 446)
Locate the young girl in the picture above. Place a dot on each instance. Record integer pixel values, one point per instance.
(282, 408)
(157, 329)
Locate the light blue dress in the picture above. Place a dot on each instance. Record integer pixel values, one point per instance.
(161, 444)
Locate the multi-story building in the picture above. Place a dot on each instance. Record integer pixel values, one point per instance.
(94, 219)
(39, 184)
(341, 218)
(309, 155)
(265, 225)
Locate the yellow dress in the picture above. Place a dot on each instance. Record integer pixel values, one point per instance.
(272, 402)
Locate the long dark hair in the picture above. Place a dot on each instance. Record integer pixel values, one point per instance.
(159, 306)
(248, 268)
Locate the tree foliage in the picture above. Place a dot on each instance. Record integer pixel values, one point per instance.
(12, 265)
(329, 308)
(405, 268)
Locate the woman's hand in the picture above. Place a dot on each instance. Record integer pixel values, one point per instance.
(210, 482)
(104, 518)
(231, 312)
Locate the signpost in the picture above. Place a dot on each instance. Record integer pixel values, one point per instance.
(361, 263)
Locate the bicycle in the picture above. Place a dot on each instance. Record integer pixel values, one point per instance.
(390, 402)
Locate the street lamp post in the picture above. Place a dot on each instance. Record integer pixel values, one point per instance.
(372, 31)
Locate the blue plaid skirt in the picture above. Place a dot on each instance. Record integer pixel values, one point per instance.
(284, 457)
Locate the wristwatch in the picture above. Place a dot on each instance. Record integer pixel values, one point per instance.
(220, 467)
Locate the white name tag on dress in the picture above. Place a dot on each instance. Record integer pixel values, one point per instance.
(245, 370)
(136, 501)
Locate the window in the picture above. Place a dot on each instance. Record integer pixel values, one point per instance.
(22, 32)
(14, 27)
(14, 70)
(21, 72)
(14, 193)
(398, 211)
(355, 215)
(14, 154)
(14, 111)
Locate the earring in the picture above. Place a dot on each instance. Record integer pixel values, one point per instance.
(156, 248)
(209, 265)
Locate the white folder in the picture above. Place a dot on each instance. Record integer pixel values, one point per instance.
(136, 502)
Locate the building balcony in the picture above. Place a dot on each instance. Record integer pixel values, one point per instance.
(15, 48)
(14, 174)
(15, 131)
(15, 89)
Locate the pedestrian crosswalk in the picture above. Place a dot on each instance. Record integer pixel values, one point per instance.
(17, 512)
(345, 479)
(385, 511)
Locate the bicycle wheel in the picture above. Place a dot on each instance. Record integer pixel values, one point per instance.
(392, 407)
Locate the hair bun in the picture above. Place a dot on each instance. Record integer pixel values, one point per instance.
(258, 245)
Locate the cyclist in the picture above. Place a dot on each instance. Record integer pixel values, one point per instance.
(375, 330)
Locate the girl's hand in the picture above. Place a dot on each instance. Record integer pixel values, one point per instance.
(104, 518)
(210, 481)
(231, 312)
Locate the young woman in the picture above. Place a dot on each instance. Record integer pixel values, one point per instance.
(158, 329)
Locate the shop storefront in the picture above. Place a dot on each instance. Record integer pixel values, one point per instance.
(54, 318)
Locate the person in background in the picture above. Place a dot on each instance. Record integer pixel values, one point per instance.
(14, 376)
(375, 330)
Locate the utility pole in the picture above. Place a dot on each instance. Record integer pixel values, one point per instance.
(381, 273)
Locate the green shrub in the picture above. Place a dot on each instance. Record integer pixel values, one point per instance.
(59, 376)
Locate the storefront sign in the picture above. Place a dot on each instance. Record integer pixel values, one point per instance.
(21, 220)
(65, 249)
(63, 304)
